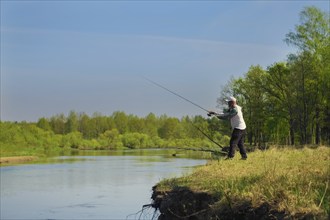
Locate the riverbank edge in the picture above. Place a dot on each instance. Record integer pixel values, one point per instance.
(17, 159)
(183, 203)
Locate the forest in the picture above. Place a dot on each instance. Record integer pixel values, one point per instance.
(117, 131)
(286, 103)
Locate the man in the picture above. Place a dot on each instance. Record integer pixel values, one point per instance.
(234, 113)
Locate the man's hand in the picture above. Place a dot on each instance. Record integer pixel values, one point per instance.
(210, 113)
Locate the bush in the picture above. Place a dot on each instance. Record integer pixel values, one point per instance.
(136, 140)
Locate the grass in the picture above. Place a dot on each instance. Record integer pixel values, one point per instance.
(291, 180)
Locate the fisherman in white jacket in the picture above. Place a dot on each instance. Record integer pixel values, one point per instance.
(234, 113)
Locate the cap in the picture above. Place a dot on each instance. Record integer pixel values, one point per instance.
(231, 99)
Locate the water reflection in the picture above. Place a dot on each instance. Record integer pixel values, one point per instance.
(87, 185)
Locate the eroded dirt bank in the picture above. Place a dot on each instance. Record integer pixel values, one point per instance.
(183, 203)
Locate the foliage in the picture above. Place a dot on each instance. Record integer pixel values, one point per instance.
(288, 103)
(26, 139)
(80, 131)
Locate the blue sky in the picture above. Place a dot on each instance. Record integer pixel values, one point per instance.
(91, 56)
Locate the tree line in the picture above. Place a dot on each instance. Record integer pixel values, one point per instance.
(289, 102)
(116, 131)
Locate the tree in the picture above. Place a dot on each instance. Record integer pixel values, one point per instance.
(325, 93)
(58, 124)
(312, 38)
(250, 93)
(170, 129)
(121, 121)
(312, 34)
(84, 125)
(151, 125)
(135, 124)
(306, 93)
(43, 123)
(98, 124)
(281, 99)
(71, 124)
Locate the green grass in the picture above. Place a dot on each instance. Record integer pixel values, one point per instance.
(292, 180)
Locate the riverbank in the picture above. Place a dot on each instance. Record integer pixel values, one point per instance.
(272, 184)
(17, 159)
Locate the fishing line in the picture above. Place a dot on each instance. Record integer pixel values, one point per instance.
(176, 94)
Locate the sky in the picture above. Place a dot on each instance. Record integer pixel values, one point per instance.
(93, 56)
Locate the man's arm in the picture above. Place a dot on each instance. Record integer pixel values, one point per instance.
(231, 112)
(227, 114)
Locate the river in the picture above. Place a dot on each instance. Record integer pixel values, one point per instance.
(89, 184)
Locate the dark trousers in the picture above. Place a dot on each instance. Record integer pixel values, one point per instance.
(237, 140)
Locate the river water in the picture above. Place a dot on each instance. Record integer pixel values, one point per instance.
(89, 185)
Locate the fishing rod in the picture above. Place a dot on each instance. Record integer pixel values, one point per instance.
(180, 96)
(176, 94)
(206, 135)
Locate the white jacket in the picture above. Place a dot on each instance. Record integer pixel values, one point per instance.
(237, 121)
(236, 117)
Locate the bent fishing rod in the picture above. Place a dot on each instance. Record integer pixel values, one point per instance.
(191, 102)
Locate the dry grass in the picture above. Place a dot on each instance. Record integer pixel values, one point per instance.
(292, 180)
